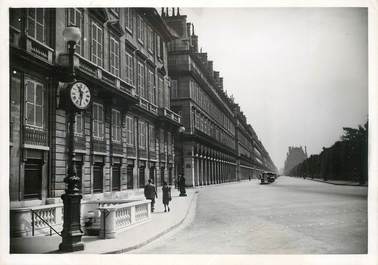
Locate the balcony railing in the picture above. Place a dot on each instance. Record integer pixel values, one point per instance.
(34, 136)
(79, 142)
(88, 67)
(145, 104)
(153, 108)
(99, 145)
(130, 151)
(117, 148)
(169, 114)
(109, 78)
(152, 155)
(40, 50)
(142, 153)
(94, 70)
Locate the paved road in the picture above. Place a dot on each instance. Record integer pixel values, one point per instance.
(290, 216)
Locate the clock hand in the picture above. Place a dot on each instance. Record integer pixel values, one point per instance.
(81, 95)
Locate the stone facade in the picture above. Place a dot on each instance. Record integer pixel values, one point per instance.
(127, 134)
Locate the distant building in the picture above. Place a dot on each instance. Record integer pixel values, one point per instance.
(217, 145)
(294, 156)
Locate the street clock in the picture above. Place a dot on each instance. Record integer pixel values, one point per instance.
(80, 95)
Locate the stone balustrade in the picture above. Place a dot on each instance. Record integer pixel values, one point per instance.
(118, 217)
(26, 222)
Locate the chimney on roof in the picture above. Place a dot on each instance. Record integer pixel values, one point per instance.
(221, 83)
(203, 56)
(194, 43)
(162, 12)
(188, 26)
(178, 11)
(216, 77)
(173, 11)
(167, 11)
(210, 67)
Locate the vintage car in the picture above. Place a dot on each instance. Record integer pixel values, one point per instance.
(267, 177)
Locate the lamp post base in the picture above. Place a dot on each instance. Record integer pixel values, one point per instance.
(72, 233)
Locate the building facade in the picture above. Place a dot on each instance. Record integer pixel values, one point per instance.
(217, 145)
(294, 157)
(252, 157)
(127, 134)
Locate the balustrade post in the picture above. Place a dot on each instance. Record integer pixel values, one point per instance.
(108, 222)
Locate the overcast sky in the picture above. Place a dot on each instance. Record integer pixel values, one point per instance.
(299, 74)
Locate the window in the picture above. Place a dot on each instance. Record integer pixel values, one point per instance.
(79, 124)
(33, 179)
(174, 88)
(142, 177)
(97, 44)
(130, 176)
(166, 94)
(116, 126)
(142, 134)
(98, 176)
(34, 103)
(169, 143)
(129, 68)
(141, 30)
(36, 25)
(152, 138)
(75, 18)
(161, 91)
(116, 177)
(98, 121)
(129, 19)
(129, 131)
(159, 47)
(162, 147)
(141, 86)
(151, 86)
(150, 39)
(114, 56)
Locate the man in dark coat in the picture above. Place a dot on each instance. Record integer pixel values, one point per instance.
(181, 185)
(150, 194)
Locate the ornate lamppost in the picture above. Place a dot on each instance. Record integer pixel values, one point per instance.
(181, 180)
(76, 97)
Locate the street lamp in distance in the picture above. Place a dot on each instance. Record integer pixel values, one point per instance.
(181, 180)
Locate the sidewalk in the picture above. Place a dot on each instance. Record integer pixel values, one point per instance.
(339, 182)
(132, 238)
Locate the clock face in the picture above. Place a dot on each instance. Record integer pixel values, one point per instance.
(80, 95)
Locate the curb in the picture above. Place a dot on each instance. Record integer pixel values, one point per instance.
(195, 194)
(338, 184)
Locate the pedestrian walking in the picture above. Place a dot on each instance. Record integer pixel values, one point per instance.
(181, 184)
(166, 196)
(150, 194)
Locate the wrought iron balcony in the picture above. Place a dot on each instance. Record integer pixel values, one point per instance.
(35, 136)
